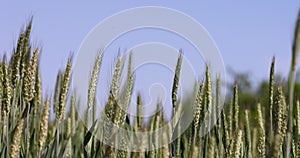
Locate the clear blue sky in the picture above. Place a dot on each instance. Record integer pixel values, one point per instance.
(247, 34)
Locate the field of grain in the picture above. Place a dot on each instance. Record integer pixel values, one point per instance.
(272, 129)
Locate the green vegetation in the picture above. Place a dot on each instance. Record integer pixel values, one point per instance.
(269, 128)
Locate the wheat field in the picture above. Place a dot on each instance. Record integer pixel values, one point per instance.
(271, 130)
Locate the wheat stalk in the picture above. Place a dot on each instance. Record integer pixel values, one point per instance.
(291, 81)
(280, 115)
(57, 92)
(248, 135)
(25, 58)
(16, 142)
(225, 133)
(64, 91)
(238, 144)
(44, 125)
(198, 110)
(261, 148)
(38, 88)
(218, 110)
(139, 110)
(212, 150)
(16, 60)
(127, 92)
(7, 90)
(94, 79)
(115, 85)
(271, 101)
(176, 79)
(235, 106)
(175, 95)
(29, 78)
(112, 109)
(208, 96)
